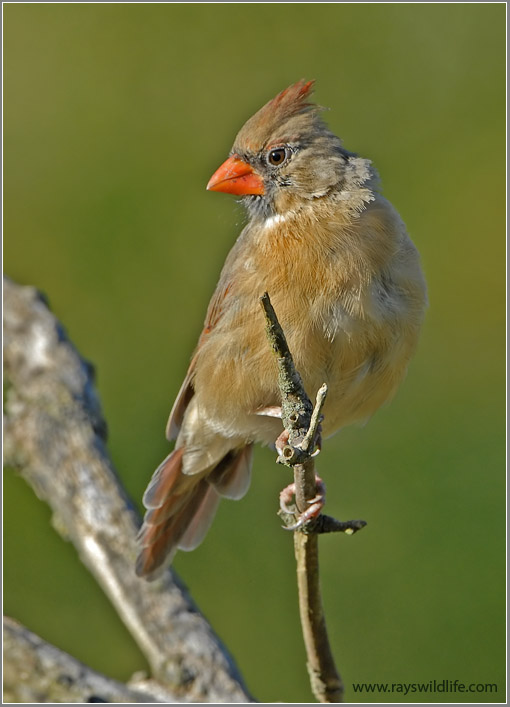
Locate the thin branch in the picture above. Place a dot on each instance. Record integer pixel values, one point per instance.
(327, 524)
(301, 422)
(325, 680)
(297, 408)
(36, 671)
(313, 430)
(55, 435)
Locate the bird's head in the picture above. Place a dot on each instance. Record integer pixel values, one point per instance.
(284, 156)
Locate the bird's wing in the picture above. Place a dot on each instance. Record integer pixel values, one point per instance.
(186, 392)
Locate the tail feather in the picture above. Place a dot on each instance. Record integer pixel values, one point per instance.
(231, 477)
(181, 507)
(160, 542)
(163, 479)
(201, 521)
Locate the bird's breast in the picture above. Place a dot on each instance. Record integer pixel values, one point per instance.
(350, 306)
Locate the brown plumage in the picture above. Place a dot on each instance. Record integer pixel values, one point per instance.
(345, 281)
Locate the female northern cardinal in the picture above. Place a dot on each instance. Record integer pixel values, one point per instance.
(345, 281)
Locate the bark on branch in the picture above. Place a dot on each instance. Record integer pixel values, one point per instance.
(35, 671)
(54, 435)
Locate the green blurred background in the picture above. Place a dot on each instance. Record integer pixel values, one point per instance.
(115, 117)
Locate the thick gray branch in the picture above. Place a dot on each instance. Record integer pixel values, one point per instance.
(36, 671)
(54, 434)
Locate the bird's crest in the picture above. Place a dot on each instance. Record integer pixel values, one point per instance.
(291, 100)
(289, 103)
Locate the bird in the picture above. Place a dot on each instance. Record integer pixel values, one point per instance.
(346, 283)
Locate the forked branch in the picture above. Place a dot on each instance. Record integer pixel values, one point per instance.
(302, 423)
(55, 436)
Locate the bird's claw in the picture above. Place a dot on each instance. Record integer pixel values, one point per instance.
(315, 505)
(286, 497)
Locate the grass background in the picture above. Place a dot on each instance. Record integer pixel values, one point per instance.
(115, 117)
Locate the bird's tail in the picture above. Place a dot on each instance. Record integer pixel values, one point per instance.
(181, 507)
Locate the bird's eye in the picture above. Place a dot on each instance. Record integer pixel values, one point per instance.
(277, 157)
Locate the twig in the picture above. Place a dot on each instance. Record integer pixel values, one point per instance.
(302, 424)
(297, 408)
(310, 437)
(55, 435)
(325, 680)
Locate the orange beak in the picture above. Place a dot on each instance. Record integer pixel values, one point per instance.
(236, 177)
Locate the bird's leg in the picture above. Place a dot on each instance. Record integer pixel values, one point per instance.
(315, 506)
(275, 411)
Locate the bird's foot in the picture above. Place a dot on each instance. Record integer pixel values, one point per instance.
(315, 505)
(282, 442)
